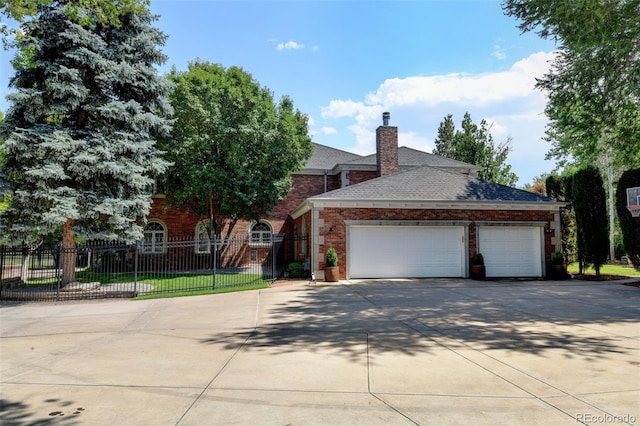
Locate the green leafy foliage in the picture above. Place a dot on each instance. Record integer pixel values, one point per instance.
(85, 12)
(296, 270)
(558, 258)
(232, 146)
(82, 124)
(331, 258)
(478, 260)
(629, 225)
(556, 188)
(474, 144)
(594, 83)
(589, 201)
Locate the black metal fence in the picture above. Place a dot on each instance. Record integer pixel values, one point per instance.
(104, 270)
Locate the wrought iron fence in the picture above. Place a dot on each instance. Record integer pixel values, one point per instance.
(104, 270)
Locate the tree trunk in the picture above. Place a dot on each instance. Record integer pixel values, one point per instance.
(68, 253)
(24, 267)
(612, 218)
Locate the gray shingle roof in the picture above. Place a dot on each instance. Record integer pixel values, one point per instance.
(413, 157)
(325, 157)
(427, 183)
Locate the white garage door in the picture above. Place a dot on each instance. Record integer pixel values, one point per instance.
(511, 251)
(406, 251)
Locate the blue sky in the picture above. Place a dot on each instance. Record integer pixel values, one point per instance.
(345, 62)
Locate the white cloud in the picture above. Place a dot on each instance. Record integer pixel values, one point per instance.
(508, 99)
(290, 45)
(415, 141)
(499, 52)
(329, 130)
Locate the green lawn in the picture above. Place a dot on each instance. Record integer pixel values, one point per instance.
(172, 285)
(606, 270)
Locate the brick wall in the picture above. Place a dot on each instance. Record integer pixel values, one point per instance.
(335, 217)
(357, 176)
(304, 186)
(387, 150)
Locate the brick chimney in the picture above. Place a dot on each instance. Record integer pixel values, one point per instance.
(386, 147)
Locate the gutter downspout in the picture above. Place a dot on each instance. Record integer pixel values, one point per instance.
(325, 180)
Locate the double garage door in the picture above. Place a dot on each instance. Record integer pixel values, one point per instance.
(406, 251)
(378, 251)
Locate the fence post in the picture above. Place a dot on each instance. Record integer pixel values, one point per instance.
(3, 251)
(214, 253)
(273, 258)
(60, 255)
(135, 268)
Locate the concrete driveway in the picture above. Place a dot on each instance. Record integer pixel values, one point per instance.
(361, 352)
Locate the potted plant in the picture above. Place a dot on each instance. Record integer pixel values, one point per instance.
(478, 271)
(558, 263)
(331, 270)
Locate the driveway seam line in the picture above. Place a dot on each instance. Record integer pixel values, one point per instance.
(224, 366)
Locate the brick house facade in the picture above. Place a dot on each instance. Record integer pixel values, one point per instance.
(340, 194)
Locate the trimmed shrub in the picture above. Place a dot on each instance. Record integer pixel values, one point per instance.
(332, 258)
(589, 202)
(295, 270)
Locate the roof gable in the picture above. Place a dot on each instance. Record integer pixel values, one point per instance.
(326, 158)
(413, 157)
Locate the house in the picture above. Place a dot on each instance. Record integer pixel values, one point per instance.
(397, 213)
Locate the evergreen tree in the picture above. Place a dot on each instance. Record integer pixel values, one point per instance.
(81, 128)
(589, 201)
(629, 225)
(444, 141)
(474, 144)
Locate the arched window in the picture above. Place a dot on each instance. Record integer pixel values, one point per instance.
(260, 233)
(203, 242)
(155, 238)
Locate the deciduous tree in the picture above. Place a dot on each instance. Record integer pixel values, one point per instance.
(233, 146)
(594, 83)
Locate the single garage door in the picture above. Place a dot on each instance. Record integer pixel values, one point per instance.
(511, 251)
(380, 251)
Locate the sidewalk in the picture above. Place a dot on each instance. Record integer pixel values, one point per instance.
(381, 352)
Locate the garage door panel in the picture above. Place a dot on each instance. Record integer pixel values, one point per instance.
(398, 251)
(511, 251)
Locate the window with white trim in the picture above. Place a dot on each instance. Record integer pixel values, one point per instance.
(260, 233)
(203, 242)
(155, 238)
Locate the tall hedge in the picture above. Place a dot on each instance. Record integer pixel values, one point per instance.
(556, 189)
(589, 202)
(629, 225)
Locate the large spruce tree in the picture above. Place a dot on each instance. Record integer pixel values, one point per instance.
(80, 133)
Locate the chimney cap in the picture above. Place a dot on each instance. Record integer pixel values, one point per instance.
(386, 116)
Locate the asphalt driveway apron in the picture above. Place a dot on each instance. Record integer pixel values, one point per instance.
(361, 352)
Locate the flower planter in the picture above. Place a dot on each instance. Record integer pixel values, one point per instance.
(332, 274)
(559, 272)
(478, 272)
